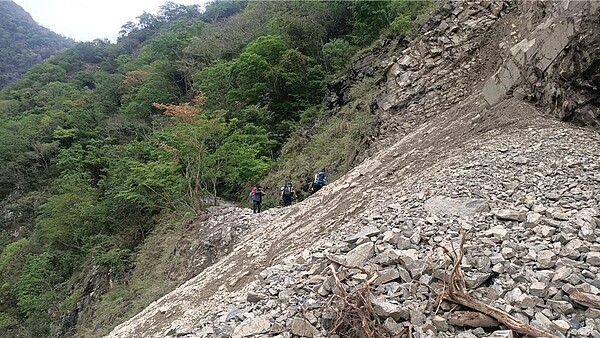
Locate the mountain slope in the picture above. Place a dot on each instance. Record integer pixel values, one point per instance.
(23, 42)
(533, 179)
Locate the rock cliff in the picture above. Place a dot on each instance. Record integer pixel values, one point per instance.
(470, 148)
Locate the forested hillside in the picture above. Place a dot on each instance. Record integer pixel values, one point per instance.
(24, 43)
(104, 141)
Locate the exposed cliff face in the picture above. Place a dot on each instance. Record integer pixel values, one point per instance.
(556, 65)
(523, 187)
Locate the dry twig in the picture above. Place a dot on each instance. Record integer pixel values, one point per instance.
(355, 316)
(457, 293)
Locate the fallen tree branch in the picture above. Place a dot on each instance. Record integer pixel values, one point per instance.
(457, 293)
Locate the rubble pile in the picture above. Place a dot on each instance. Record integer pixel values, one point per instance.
(532, 227)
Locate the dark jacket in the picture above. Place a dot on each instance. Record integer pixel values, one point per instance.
(258, 194)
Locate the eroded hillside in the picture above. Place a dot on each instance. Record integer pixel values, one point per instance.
(519, 184)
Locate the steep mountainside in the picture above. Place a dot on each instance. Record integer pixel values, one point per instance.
(470, 145)
(23, 42)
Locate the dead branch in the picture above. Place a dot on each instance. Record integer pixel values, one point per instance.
(457, 293)
(355, 316)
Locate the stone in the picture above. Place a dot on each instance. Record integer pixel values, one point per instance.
(532, 219)
(520, 160)
(417, 317)
(508, 253)
(253, 297)
(561, 326)
(593, 258)
(498, 231)
(390, 237)
(366, 231)
(572, 249)
(560, 306)
(252, 327)
(543, 321)
(476, 279)
(538, 289)
(502, 334)
(392, 327)
(457, 206)
(387, 275)
(383, 308)
(389, 257)
(301, 327)
(546, 259)
(440, 323)
(509, 215)
(359, 255)
(403, 243)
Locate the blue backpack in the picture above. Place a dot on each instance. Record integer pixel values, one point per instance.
(320, 179)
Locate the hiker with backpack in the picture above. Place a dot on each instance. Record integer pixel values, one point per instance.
(256, 195)
(288, 193)
(319, 181)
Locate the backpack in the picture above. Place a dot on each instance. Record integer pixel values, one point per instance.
(288, 191)
(252, 192)
(320, 179)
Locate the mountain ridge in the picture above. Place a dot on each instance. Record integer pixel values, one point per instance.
(24, 42)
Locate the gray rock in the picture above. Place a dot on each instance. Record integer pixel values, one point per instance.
(387, 275)
(520, 160)
(560, 306)
(383, 308)
(538, 289)
(476, 279)
(502, 334)
(359, 255)
(366, 231)
(253, 297)
(252, 327)
(593, 258)
(440, 323)
(301, 327)
(498, 231)
(543, 321)
(546, 259)
(533, 219)
(392, 327)
(458, 206)
(508, 253)
(509, 215)
(561, 326)
(403, 243)
(389, 257)
(417, 317)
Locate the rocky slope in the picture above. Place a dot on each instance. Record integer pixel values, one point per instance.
(522, 187)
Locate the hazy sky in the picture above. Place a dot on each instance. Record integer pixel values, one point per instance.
(86, 20)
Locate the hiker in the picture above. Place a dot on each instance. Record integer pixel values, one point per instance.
(319, 181)
(288, 193)
(256, 196)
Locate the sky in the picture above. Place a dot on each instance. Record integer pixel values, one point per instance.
(86, 20)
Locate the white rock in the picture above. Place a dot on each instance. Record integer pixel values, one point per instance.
(359, 255)
(252, 327)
